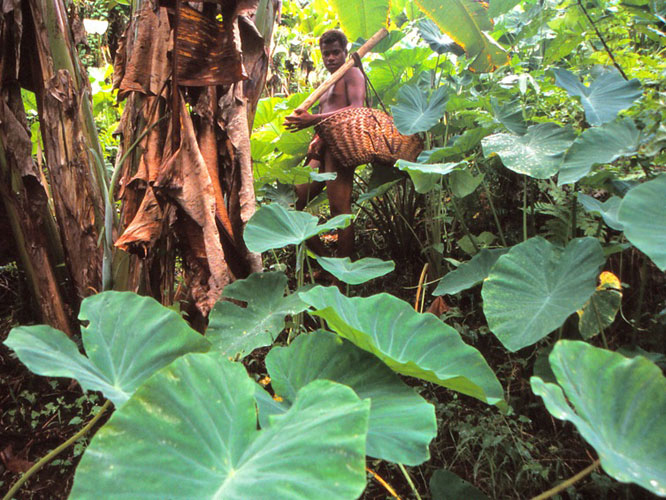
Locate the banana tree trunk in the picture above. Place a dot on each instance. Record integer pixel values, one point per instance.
(58, 250)
(70, 137)
(25, 203)
(189, 186)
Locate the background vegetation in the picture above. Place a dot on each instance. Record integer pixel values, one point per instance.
(532, 227)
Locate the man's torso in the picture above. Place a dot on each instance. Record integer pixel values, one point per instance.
(336, 97)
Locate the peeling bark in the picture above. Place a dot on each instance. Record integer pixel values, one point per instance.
(207, 182)
(207, 52)
(68, 132)
(147, 66)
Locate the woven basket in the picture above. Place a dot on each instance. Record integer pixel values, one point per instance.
(364, 135)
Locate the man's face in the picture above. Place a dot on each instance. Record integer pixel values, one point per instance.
(333, 54)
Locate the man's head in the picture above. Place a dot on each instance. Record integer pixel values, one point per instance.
(333, 45)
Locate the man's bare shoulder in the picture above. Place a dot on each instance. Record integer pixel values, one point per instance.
(353, 74)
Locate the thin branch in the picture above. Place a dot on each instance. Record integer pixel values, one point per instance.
(569, 482)
(51, 455)
(603, 42)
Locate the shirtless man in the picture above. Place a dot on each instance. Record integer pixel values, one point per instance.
(348, 92)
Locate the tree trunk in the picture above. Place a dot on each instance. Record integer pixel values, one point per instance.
(69, 134)
(60, 254)
(26, 205)
(191, 183)
(186, 184)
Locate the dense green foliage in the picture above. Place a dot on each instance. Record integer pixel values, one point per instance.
(536, 177)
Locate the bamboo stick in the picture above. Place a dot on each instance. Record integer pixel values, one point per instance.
(339, 73)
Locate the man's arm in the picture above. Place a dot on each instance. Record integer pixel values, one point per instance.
(354, 83)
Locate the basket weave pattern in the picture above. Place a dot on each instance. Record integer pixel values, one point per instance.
(364, 135)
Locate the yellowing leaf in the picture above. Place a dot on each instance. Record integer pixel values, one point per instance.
(467, 23)
(609, 280)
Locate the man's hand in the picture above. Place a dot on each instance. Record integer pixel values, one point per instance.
(299, 120)
(315, 151)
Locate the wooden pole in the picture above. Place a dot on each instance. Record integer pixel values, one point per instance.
(339, 73)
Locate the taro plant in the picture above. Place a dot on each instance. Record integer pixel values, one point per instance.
(190, 422)
(185, 418)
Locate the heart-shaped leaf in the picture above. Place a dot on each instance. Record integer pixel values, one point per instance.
(470, 273)
(598, 145)
(127, 339)
(643, 217)
(510, 114)
(606, 96)
(356, 272)
(467, 23)
(273, 226)
(426, 177)
(438, 41)
(191, 432)
(532, 289)
(402, 423)
(608, 209)
(413, 344)
(619, 408)
(538, 153)
(280, 193)
(388, 70)
(415, 113)
(483, 240)
(237, 331)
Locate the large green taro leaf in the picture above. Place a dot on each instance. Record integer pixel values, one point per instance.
(191, 432)
(606, 96)
(413, 344)
(361, 18)
(598, 145)
(127, 339)
(415, 113)
(532, 289)
(236, 331)
(643, 215)
(273, 226)
(294, 143)
(426, 177)
(467, 23)
(357, 272)
(392, 67)
(509, 114)
(469, 273)
(618, 407)
(538, 153)
(608, 209)
(402, 423)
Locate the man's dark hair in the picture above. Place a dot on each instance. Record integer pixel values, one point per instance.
(332, 36)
